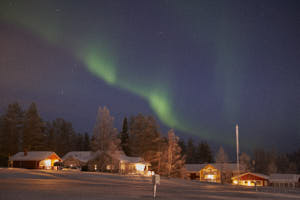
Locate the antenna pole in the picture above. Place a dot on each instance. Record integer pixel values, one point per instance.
(237, 151)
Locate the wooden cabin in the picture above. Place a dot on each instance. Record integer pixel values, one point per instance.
(34, 160)
(134, 165)
(285, 180)
(251, 179)
(77, 158)
(98, 161)
(212, 172)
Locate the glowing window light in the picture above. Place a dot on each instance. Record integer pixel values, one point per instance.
(139, 167)
(123, 166)
(47, 163)
(210, 176)
(235, 182)
(150, 173)
(249, 183)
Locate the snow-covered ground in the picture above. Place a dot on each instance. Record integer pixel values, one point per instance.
(25, 184)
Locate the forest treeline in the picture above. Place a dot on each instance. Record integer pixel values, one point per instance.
(25, 130)
(139, 136)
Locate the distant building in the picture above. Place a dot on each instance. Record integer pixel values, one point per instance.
(251, 179)
(285, 180)
(34, 160)
(78, 158)
(212, 172)
(134, 165)
(119, 162)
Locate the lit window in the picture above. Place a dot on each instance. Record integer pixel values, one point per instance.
(47, 163)
(139, 167)
(249, 183)
(210, 176)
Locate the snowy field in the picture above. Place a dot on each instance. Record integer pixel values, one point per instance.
(22, 184)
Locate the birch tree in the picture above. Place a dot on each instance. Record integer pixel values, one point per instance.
(105, 139)
(175, 161)
(222, 159)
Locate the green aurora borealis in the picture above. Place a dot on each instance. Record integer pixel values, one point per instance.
(98, 59)
(200, 66)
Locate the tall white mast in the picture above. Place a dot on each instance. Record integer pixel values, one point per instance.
(237, 151)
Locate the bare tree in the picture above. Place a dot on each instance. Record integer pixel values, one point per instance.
(175, 162)
(222, 159)
(221, 156)
(245, 162)
(105, 138)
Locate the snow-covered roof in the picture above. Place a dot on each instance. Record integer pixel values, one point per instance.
(85, 156)
(219, 166)
(32, 155)
(284, 178)
(127, 159)
(254, 174)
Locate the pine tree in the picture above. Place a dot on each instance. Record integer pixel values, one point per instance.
(79, 142)
(203, 153)
(272, 166)
(145, 140)
(190, 152)
(60, 136)
(282, 162)
(125, 137)
(265, 162)
(11, 128)
(294, 159)
(50, 137)
(33, 136)
(144, 136)
(182, 145)
(86, 142)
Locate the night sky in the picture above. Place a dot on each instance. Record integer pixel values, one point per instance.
(199, 67)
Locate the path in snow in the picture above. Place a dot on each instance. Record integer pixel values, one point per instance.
(22, 184)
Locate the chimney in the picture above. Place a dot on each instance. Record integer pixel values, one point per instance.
(25, 152)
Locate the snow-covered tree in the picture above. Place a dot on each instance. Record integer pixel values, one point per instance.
(272, 168)
(221, 156)
(105, 138)
(245, 162)
(175, 162)
(222, 159)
